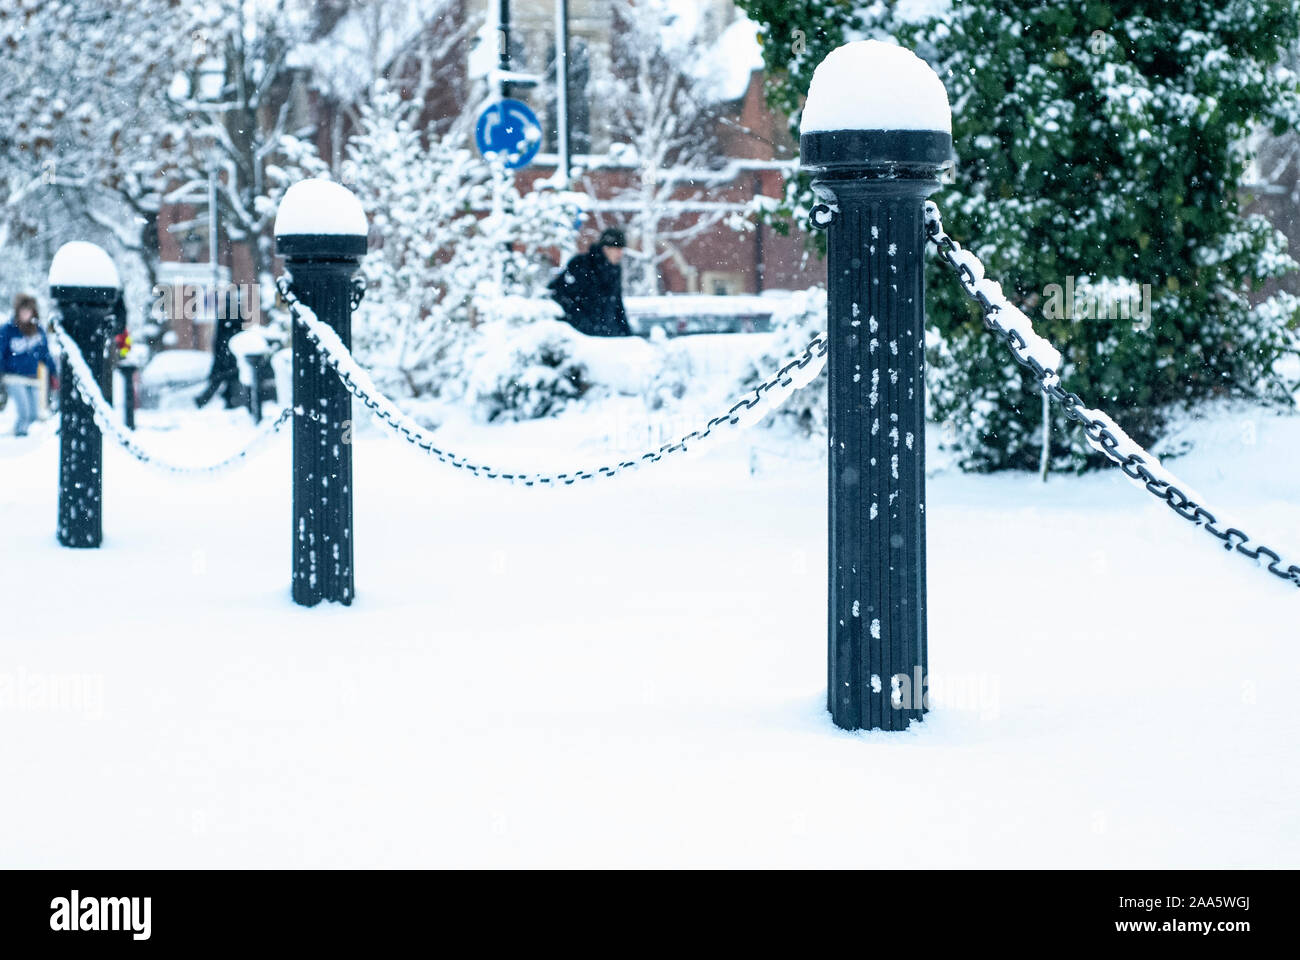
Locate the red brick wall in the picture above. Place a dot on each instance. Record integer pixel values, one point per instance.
(757, 259)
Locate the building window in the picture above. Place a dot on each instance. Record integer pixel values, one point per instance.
(721, 283)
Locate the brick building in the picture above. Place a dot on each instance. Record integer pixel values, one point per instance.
(750, 150)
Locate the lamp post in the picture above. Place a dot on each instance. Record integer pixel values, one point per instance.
(214, 249)
(563, 143)
(876, 133)
(503, 46)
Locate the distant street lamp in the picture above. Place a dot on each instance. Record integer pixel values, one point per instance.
(503, 45)
(211, 90)
(213, 227)
(562, 93)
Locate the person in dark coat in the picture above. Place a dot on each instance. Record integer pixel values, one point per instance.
(590, 288)
(223, 375)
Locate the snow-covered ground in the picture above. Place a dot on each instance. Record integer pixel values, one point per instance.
(632, 672)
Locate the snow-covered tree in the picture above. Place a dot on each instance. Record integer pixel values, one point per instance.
(86, 130)
(237, 113)
(658, 108)
(1101, 142)
(415, 312)
(405, 44)
(109, 111)
(452, 238)
(1105, 144)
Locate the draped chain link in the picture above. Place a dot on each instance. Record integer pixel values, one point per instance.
(761, 400)
(102, 412)
(1102, 432)
(358, 293)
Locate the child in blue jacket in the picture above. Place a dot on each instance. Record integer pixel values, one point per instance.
(23, 348)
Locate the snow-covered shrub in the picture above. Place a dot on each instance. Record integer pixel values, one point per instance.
(523, 363)
(1097, 140)
(450, 233)
(795, 321)
(671, 380)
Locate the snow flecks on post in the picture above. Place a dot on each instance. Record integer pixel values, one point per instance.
(876, 134)
(85, 285)
(320, 231)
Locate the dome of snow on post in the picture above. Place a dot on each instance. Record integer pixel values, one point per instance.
(320, 218)
(84, 272)
(875, 106)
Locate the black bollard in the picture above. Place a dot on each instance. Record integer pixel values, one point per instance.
(80, 287)
(875, 183)
(257, 364)
(127, 370)
(322, 267)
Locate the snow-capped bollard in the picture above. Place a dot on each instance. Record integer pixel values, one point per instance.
(320, 230)
(85, 285)
(259, 365)
(253, 353)
(876, 133)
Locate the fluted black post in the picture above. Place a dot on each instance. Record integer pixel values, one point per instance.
(86, 313)
(876, 182)
(322, 267)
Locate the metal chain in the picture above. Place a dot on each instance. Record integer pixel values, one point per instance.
(765, 397)
(822, 215)
(1102, 432)
(358, 293)
(102, 413)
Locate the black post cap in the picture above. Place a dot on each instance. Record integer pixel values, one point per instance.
(902, 152)
(93, 296)
(320, 246)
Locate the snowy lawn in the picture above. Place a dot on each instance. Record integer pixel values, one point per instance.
(632, 672)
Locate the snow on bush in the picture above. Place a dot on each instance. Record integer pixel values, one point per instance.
(450, 233)
(1117, 159)
(172, 375)
(526, 362)
(171, 368)
(796, 320)
(523, 364)
(671, 382)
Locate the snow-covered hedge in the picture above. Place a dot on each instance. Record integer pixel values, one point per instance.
(522, 364)
(173, 375)
(172, 368)
(526, 362)
(796, 320)
(436, 258)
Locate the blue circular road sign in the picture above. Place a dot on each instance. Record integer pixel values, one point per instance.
(509, 128)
